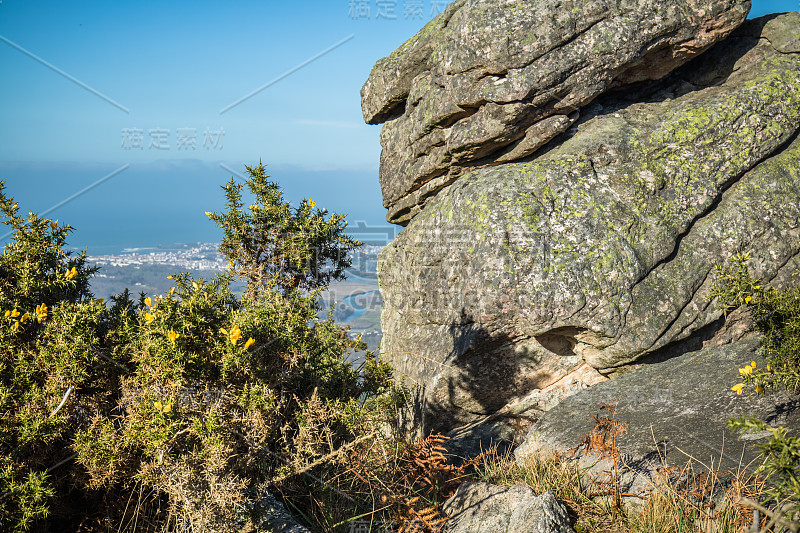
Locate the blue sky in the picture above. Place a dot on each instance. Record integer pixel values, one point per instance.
(174, 66)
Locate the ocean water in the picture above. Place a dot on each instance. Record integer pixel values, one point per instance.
(152, 204)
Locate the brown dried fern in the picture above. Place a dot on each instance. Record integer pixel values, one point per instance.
(602, 442)
(414, 483)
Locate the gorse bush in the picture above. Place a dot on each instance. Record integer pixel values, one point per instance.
(47, 348)
(271, 246)
(776, 316)
(180, 411)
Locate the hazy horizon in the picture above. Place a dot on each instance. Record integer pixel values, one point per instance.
(174, 99)
(161, 203)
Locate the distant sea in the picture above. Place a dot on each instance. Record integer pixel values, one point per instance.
(152, 204)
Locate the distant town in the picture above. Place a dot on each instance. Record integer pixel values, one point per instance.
(199, 256)
(206, 256)
(356, 300)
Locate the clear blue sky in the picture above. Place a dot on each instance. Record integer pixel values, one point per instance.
(174, 66)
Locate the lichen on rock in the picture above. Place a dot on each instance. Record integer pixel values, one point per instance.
(601, 249)
(492, 81)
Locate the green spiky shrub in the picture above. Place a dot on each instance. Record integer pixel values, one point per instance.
(48, 322)
(183, 409)
(776, 316)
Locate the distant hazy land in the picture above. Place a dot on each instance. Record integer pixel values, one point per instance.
(357, 302)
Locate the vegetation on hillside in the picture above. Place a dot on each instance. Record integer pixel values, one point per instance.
(181, 411)
(195, 409)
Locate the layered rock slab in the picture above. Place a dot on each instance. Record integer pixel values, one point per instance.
(491, 81)
(675, 412)
(601, 250)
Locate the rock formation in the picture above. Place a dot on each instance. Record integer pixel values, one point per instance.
(491, 81)
(517, 278)
(674, 410)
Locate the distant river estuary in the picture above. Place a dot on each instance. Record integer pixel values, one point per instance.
(362, 302)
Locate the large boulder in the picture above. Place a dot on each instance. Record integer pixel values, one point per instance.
(601, 250)
(490, 81)
(675, 411)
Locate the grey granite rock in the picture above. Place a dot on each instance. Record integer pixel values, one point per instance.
(485, 508)
(491, 81)
(675, 410)
(601, 250)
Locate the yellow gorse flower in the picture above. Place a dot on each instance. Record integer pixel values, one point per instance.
(163, 408)
(173, 336)
(738, 388)
(72, 272)
(745, 371)
(747, 300)
(235, 334)
(149, 317)
(148, 302)
(12, 314)
(25, 317)
(41, 312)
(251, 341)
(311, 202)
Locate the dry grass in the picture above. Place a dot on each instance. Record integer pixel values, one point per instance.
(397, 482)
(679, 499)
(570, 484)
